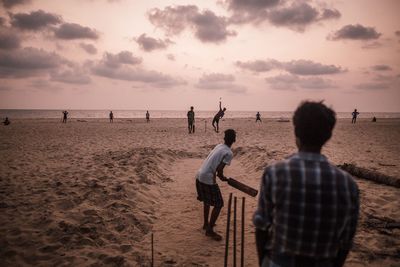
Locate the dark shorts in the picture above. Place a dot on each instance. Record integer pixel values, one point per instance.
(209, 194)
(190, 122)
(215, 120)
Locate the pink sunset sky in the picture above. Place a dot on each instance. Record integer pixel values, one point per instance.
(264, 55)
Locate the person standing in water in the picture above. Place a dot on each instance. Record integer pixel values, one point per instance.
(217, 117)
(258, 117)
(190, 116)
(111, 117)
(355, 114)
(147, 116)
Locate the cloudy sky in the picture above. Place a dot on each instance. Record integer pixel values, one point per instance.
(150, 54)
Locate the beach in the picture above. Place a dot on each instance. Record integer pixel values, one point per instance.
(91, 193)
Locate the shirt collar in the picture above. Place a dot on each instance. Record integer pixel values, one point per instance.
(309, 156)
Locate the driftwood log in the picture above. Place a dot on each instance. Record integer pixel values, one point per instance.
(370, 175)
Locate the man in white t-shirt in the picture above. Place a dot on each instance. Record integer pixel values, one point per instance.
(206, 182)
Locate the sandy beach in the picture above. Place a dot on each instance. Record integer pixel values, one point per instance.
(91, 193)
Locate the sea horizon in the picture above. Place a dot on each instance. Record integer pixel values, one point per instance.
(130, 113)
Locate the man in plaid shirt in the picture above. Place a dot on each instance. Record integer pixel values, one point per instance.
(308, 208)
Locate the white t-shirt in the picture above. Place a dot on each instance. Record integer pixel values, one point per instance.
(220, 153)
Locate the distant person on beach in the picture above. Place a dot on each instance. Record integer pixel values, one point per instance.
(111, 117)
(308, 208)
(65, 116)
(217, 117)
(206, 183)
(147, 116)
(6, 121)
(354, 114)
(374, 119)
(190, 116)
(258, 117)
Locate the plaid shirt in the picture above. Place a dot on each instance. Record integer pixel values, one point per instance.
(308, 206)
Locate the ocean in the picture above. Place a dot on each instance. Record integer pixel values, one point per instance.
(97, 114)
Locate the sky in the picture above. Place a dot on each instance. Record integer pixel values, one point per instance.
(254, 55)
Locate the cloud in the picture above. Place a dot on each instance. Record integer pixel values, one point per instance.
(173, 20)
(295, 15)
(293, 82)
(34, 21)
(219, 81)
(386, 78)
(12, 3)
(355, 32)
(43, 84)
(26, 62)
(123, 57)
(381, 68)
(251, 5)
(283, 82)
(9, 39)
(171, 57)
(371, 45)
(216, 77)
(207, 27)
(123, 66)
(4, 88)
(89, 48)
(316, 83)
(71, 76)
(299, 67)
(255, 11)
(308, 67)
(70, 31)
(149, 44)
(259, 65)
(330, 14)
(372, 86)
(211, 28)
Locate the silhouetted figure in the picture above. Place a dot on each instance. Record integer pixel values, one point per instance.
(65, 116)
(374, 119)
(111, 117)
(6, 121)
(190, 116)
(147, 116)
(207, 188)
(355, 114)
(308, 208)
(217, 117)
(258, 117)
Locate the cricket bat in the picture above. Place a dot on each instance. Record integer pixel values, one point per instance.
(242, 187)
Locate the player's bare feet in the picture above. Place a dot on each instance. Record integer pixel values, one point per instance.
(213, 235)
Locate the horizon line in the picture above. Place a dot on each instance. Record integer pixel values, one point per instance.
(71, 109)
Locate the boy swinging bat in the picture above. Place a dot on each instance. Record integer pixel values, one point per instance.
(208, 190)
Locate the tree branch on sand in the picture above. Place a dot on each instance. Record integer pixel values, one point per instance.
(370, 175)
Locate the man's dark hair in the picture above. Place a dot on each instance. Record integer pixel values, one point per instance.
(230, 136)
(313, 123)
